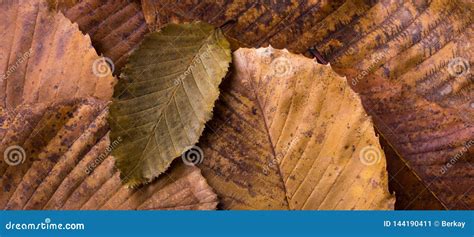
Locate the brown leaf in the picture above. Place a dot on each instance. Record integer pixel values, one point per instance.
(414, 196)
(45, 57)
(63, 162)
(406, 80)
(289, 133)
(165, 97)
(283, 24)
(56, 147)
(116, 27)
(56, 4)
(409, 60)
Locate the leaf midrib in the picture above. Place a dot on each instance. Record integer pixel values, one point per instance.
(267, 132)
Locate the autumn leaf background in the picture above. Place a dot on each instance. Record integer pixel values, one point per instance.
(355, 105)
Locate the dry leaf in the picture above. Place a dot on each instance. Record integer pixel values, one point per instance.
(116, 27)
(56, 149)
(408, 81)
(165, 97)
(56, 4)
(289, 133)
(414, 196)
(39, 50)
(62, 162)
(409, 60)
(244, 22)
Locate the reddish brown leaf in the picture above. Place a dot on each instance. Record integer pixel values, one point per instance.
(412, 196)
(116, 27)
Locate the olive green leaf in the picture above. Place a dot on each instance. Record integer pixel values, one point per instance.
(165, 96)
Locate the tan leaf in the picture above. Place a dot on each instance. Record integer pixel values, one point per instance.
(409, 60)
(46, 58)
(289, 133)
(116, 27)
(165, 97)
(63, 162)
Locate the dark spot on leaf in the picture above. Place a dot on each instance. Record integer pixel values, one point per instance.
(254, 111)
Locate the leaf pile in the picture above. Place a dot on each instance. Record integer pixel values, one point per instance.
(69, 166)
(205, 114)
(409, 60)
(55, 108)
